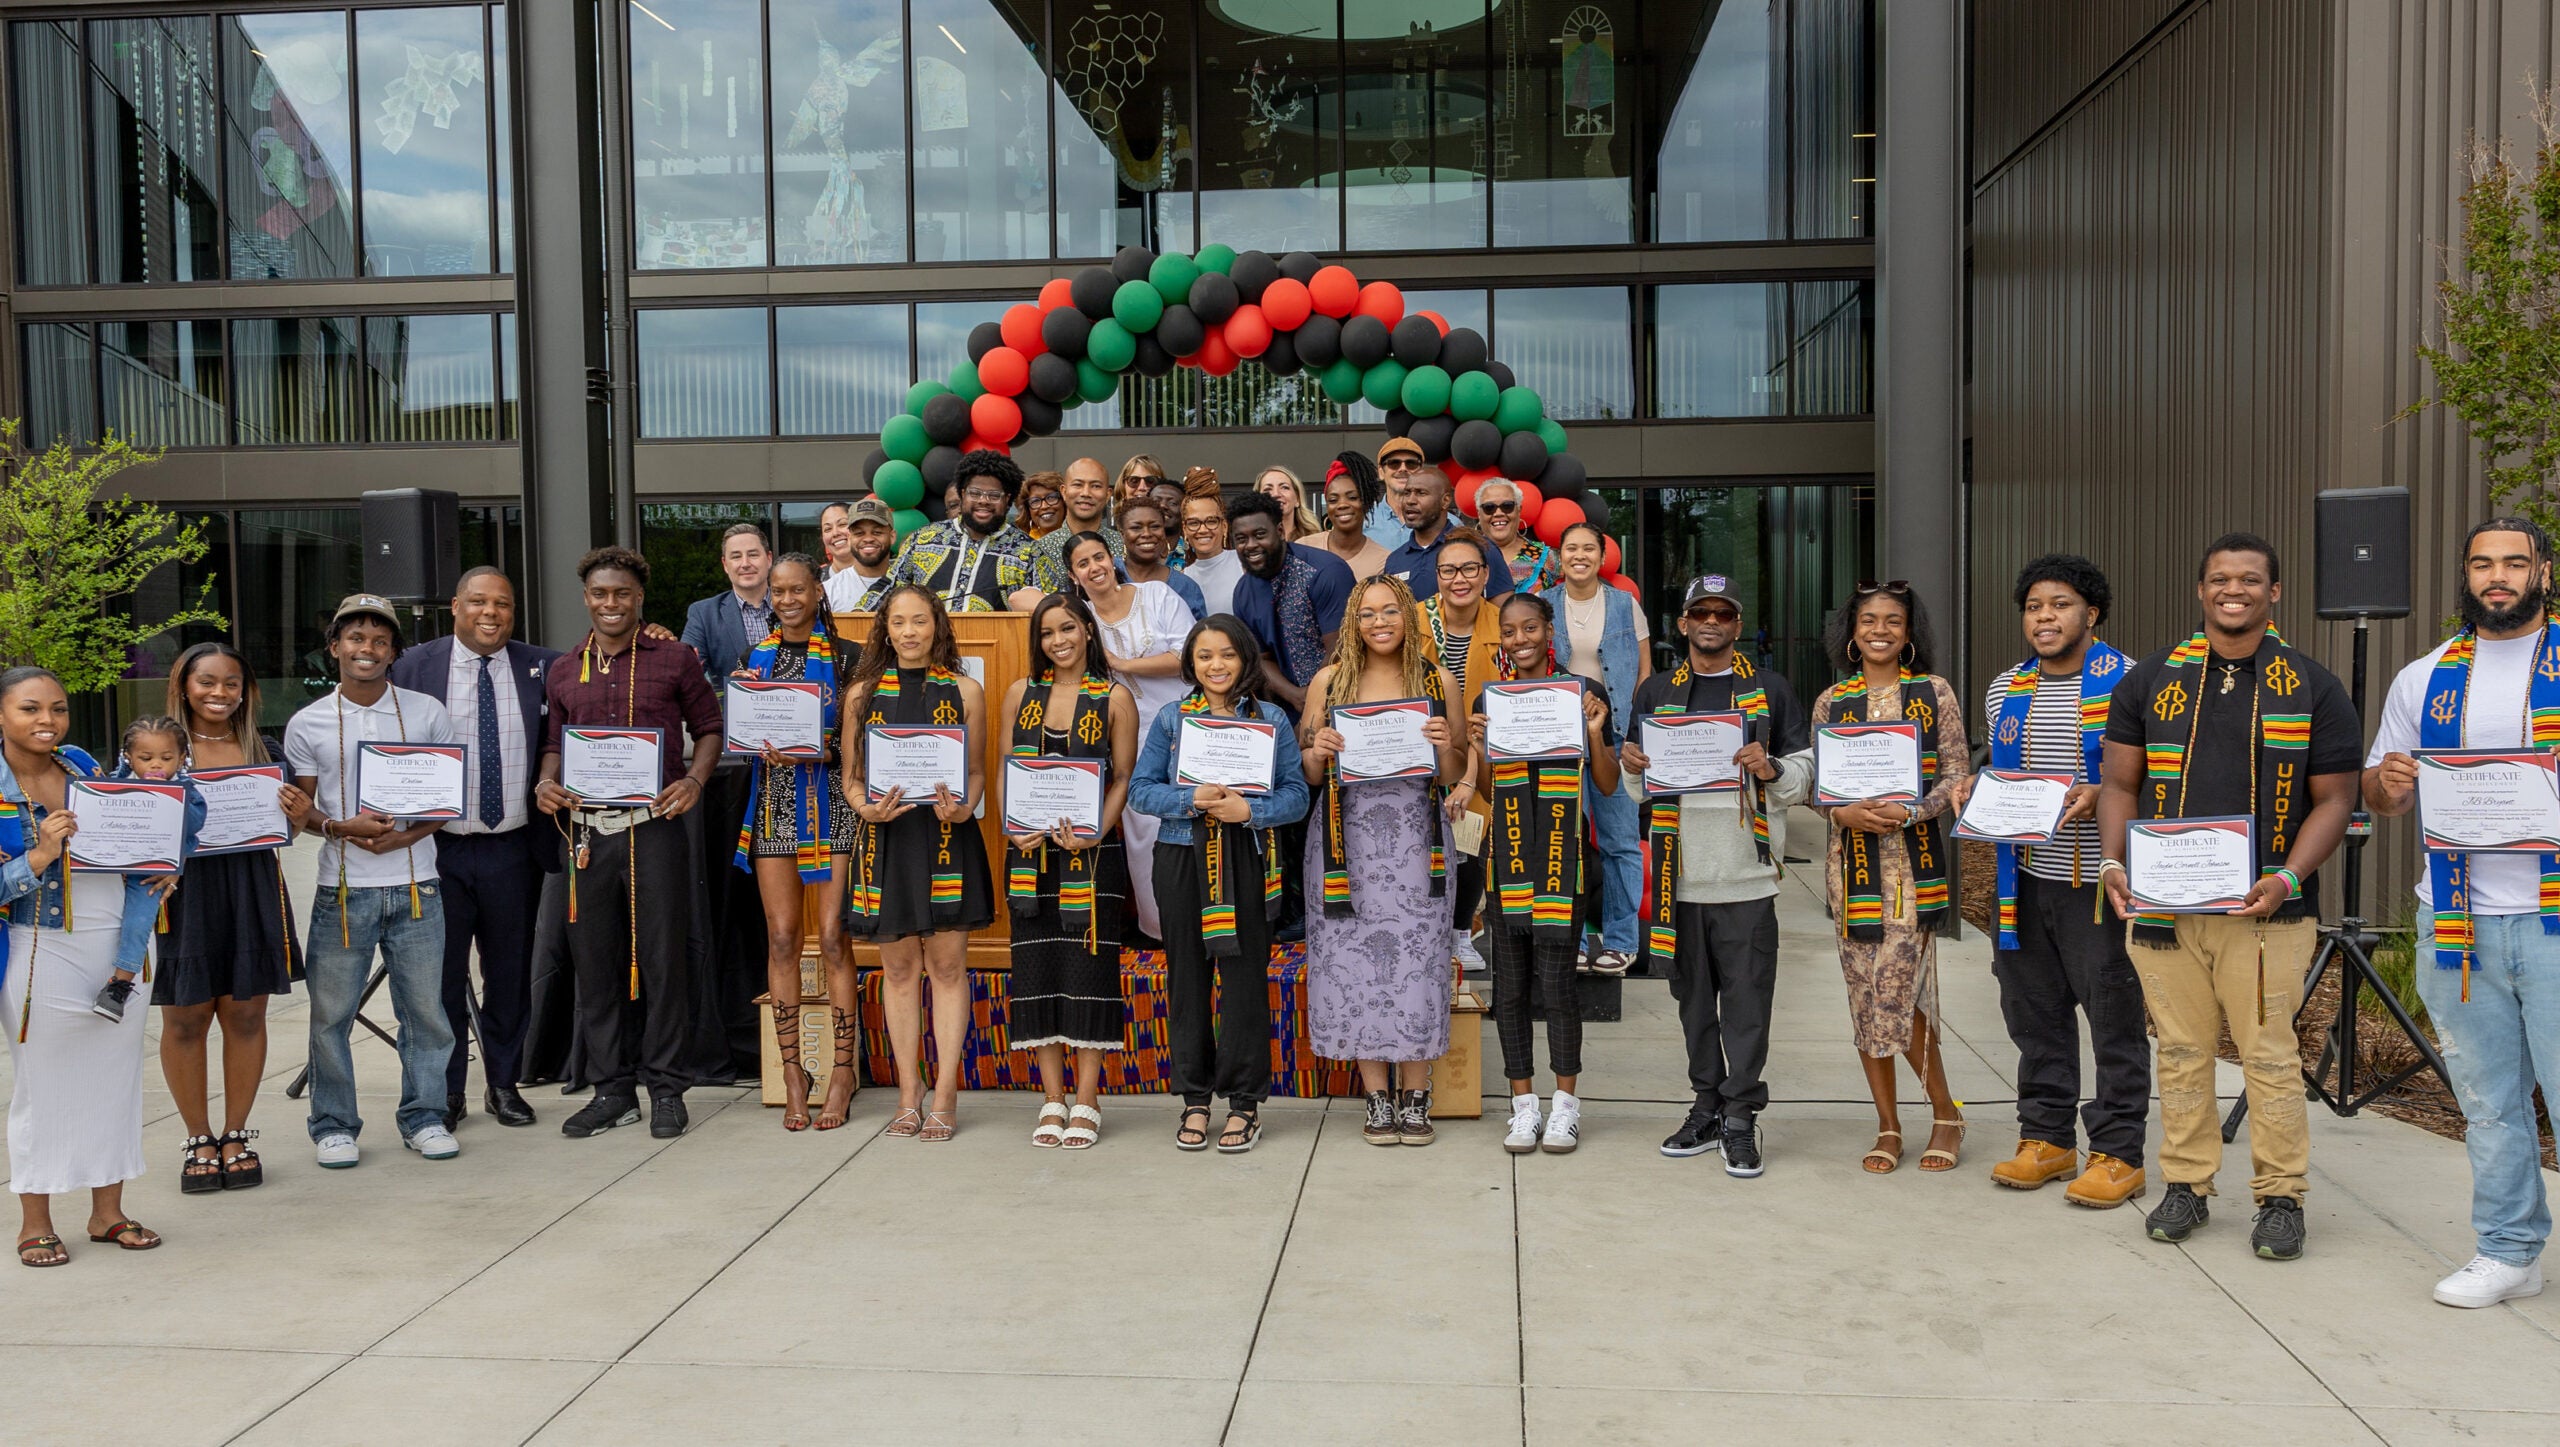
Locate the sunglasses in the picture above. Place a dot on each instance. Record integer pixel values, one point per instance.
(1713, 615)
(1495, 507)
(1896, 586)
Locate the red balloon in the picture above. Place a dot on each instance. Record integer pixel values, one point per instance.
(1055, 294)
(1553, 517)
(1530, 501)
(1450, 469)
(1216, 357)
(1609, 557)
(1383, 300)
(1287, 302)
(1334, 291)
(974, 443)
(1436, 320)
(1467, 495)
(1005, 372)
(1021, 327)
(1626, 585)
(1248, 332)
(996, 415)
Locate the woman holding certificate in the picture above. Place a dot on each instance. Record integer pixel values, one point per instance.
(1075, 736)
(796, 834)
(1380, 750)
(919, 867)
(1141, 626)
(1889, 857)
(1222, 772)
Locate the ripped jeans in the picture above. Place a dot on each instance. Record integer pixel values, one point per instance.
(2496, 1045)
(2209, 979)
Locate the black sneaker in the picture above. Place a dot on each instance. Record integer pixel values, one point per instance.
(2178, 1214)
(1742, 1148)
(2278, 1233)
(600, 1115)
(1380, 1128)
(1413, 1119)
(667, 1117)
(1702, 1132)
(111, 1000)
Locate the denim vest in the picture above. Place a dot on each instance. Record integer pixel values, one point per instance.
(1618, 646)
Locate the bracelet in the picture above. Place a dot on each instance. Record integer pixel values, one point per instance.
(2115, 864)
(2291, 879)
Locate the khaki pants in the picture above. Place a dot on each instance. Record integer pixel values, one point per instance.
(2210, 979)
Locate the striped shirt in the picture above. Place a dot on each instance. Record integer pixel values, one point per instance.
(2053, 746)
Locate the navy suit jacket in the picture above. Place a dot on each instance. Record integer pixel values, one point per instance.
(713, 629)
(428, 667)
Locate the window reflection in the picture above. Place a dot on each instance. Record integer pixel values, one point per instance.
(1123, 77)
(682, 543)
(1830, 359)
(501, 104)
(982, 130)
(44, 75)
(942, 334)
(161, 382)
(1715, 350)
(1564, 124)
(1791, 551)
(296, 379)
(1270, 153)
(422, 91)
(295, 564)
(1413, 125)
(839, 133)
(1718, 175)
(703, 373)
(153, 128)
(1833, 119)
(430, 378)
(1571, 345)
(697, 122)
(289, 153)
(167, 589)
(842, 369)
(507, 375)
(61, 386)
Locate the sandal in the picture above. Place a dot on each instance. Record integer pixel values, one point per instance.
(1889, 1158)
(242, 1171)
(939, 1125)
(904, 1123)
(795, 1117)
(1934, 1159)
(199, 1174)
(47, 1245)
(786, 1044)
(124, 1234)
(1052, 1126)
(1193, 1137)
(1084, 1129)
(1235, 1140)
(842, 1074)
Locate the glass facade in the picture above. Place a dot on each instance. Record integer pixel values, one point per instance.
(1793, 551)
(1762, 349)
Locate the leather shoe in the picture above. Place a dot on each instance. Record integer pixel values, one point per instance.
(455, 1108)
(667, 1118)
(2107, 1183)
(507, 1107)
(2036, 1163)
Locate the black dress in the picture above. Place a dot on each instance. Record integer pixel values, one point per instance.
(230, 930)
(915, 874)
(1065, 984)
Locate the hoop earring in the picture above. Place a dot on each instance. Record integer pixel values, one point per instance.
(1907, 653)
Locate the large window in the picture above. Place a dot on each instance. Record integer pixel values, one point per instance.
(839, 133)
(698, 137)
(1413, 122)
(1269, 139)
(1793, 553)
(295, 379)
(705, 372)
(1761, 114)
(1761, 349)
(424, 94)
(152, 126)
(289, 153)
(162, 382)
(1122, 85)
(1564, 124)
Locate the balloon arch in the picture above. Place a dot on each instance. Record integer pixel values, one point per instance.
(1217, 310)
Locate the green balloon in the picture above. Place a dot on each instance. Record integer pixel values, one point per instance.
(1341, 381)
(1426, 391)
(1110, 345)
(1217, 256)
(1172, 276)
(1551, 432)
(908, 520)
(965, 384)
(1518, 411)
(898, 483)
(921, 393)
(1137, 306)
(903, 437)
(1093, 383)
(1383, 384)
(1473, 397)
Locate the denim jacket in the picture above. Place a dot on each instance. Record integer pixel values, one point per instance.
(29, 900)
(1617, 647)
(1152, 790)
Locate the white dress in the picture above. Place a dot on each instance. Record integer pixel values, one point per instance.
(75, 1108)
(1157, 622)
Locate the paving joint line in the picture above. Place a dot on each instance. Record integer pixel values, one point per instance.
(1271, 1284)
(2282, 1345)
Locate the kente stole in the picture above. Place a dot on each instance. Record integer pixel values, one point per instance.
(2098, 675)
(1218, 909)
(935, 703)
(811, 813)
(2441, 725)
(1337, 858)
(1537, 828)
(1088, 737)
(2277, 792)
(1662, 816)
(1862, 901)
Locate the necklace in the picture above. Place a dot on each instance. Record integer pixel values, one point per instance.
(211, 738)
(2230, 677)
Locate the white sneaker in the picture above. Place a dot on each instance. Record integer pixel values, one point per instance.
(1523, 1135)
(1564, 1125)
(2483, 1282)
(435, 1143)
(337, 1152)
(1462, 944)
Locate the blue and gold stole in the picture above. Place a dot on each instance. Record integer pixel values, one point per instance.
(1088, 737)
(1217, 910)
(811, 813)
(2098, 675)
(1862, 902)
(1662, 816)
(2441, 725)
(2278, 789)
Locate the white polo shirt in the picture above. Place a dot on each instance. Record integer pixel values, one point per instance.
(320, 744)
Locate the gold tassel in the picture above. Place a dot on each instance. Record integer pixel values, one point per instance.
(2466, 977)
(2262, 976)
(631, 896)
(27, 1005)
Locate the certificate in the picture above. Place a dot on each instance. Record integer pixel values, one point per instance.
(1866, 761)
(127, 826)
(1537, 718)
(1234, 753)
(1040, 792)
(240, 809)
(1692, 753)
(898, 756)
(2015, 806)
(2489, 801)
(611, 768)
(2191, 866)
(1384, 741)
(410, 781)
(789, 718)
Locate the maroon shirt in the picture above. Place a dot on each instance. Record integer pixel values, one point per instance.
(653, 684)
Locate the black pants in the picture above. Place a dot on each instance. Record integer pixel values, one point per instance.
(492, 893)
(1466, 883)
(2067, 959)
(1724, 970)
(622, 1039)
(1515, 952)
(729, 935)
(1234, 1059)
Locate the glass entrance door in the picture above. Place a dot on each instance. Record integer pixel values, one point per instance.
(1793, 550)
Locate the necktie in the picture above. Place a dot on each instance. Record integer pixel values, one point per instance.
(493, 773)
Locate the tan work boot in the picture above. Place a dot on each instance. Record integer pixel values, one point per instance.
(2107, 1183)
(2036, 1163)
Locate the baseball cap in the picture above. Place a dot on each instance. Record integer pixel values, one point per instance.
(868, 508)
(359, 605)
(1710, 585)
(1399, 444)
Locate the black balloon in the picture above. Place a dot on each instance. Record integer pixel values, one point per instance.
(1280, 359)
(1092, 290)
(1366, 342)
(1595, 511)
(1130, 263)
(932, 507)
(1180, 329)
(1432, 434)
(1463, 350)
(1152, 360)
(985, 337)
(1417, 342)
(1319, 341)
(1214, 298)
(946, 418)
(1476, 444)
(1501, 374)
(1040, 417)
(939, 467)
(871, 463)
(1562, 477)
(1251, 272)
(1064, 330)
(1301, 265)
(1524, 454)
(1399, 422)
(1053, 378)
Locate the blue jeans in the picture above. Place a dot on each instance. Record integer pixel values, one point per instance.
(377, 918)
(2496, 1045)
(1618, 820)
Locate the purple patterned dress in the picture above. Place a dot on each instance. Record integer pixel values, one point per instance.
(1378, 981)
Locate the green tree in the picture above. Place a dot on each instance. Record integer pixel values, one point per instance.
(71, 559)
(2499, 369)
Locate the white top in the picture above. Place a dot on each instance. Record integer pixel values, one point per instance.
(1217, 579)
(462, 701)
(850, 592)
(2493, 718)
(315, 749)
(1157, 622)
(1583, 623)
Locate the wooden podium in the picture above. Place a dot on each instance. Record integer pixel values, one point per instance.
(995, 648)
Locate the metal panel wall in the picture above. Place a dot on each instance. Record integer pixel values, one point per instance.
(2031, 57)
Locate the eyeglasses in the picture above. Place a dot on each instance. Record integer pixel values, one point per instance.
(1713, 615)
(1378, 615)
(1457, 572)
(1402, 463)
(1201, 524)
(1490, 508)
(992, 494)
